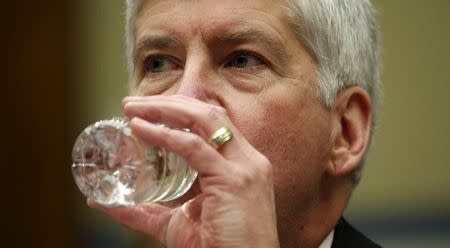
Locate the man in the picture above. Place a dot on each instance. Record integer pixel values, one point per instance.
(294, 81)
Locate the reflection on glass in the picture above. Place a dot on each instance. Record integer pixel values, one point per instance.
(114, 168)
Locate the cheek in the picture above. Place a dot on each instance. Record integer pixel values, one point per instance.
(294, 135)
(288, 128)
(291, 138)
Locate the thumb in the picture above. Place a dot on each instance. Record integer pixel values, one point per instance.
(149, 218)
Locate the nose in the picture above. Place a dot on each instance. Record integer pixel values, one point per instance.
(200, 79)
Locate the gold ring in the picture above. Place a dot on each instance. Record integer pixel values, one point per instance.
(220, 137)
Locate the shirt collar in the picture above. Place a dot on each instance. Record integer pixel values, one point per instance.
(328, 240)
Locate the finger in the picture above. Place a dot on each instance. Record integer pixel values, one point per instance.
(197, 153)
(184, 112)
(156, 98)
(179, 112)
(151, 219)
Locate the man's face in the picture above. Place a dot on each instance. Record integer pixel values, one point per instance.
(244, 56)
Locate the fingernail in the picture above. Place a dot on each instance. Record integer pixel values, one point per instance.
(129, 99)
(137, 121)
(126, 99)
(129, 105)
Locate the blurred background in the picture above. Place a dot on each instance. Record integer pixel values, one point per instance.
(65, 68)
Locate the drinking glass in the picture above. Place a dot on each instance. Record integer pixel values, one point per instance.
(115, 168)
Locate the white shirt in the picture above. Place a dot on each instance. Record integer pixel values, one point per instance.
(328, 240)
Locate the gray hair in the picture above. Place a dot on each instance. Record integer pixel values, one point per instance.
(132, 8)
(342, 35)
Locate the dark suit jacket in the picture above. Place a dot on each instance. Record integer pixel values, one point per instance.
(345, 236)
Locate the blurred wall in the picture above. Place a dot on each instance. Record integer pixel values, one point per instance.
(36, 124)
(409, 161)
(405, 194)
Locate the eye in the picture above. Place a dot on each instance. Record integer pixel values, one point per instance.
(159, 64)
(244, 60)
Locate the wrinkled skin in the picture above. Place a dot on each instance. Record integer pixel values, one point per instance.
(207, 64)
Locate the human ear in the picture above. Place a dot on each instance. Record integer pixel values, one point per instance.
(351, 123)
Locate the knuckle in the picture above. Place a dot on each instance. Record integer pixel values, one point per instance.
(216, 112)
(194, 142)
(266, 167)
(152, 114)
(167, 132)
(260, 171)
(263, 169)
(243, 178)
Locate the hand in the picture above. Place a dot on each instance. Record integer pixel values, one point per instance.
(235, 205)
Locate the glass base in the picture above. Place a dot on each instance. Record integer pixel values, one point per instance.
(115, 169)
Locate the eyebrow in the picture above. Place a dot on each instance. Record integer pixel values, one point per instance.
(267, 41)
(155, 41)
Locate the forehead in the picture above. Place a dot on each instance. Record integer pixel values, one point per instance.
(211, 5)
(210, 16)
